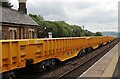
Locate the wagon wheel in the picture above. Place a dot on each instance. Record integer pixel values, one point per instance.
(52, 63)
(100, 45)
(10, 75)
(81, 53)
(42, 67)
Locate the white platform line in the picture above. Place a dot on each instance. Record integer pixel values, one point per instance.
(94, 64)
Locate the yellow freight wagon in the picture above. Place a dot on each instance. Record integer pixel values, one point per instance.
(44, 52)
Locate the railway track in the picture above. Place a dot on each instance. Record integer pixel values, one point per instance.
(78, 70)
(74, 67)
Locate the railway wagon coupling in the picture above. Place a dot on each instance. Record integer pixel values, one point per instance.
(44, 53)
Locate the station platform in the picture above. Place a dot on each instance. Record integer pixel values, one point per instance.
(105, 67)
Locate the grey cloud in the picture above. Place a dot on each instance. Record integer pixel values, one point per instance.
(57, 11)
(82, 5)
(50, 10)
(94, 27)
(4, 0)
(98, 16)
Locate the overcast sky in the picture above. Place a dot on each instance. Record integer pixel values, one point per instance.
(95, 15)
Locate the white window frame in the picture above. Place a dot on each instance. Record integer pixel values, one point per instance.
(31, 33)
(13, 34)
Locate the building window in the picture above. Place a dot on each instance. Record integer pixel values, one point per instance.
(13, 33)
(31, 33)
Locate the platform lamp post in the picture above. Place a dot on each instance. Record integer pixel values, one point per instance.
(45, 32)
(48, 32)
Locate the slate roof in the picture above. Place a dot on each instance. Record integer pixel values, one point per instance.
(16, 17)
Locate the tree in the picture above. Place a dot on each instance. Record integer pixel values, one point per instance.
(37, 18)
(6, 4)
(98, 34)
(61, 28)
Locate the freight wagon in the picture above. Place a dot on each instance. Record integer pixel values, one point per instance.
(16, 54)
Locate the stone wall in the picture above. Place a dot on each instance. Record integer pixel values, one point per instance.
(22, 32)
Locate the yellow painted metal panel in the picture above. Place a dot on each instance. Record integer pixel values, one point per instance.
(11, 56)
(94, 42)
(15, 52)
(0, 57)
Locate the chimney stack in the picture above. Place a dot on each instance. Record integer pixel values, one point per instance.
(22, 6)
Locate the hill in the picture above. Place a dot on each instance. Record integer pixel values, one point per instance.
(110, 33)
